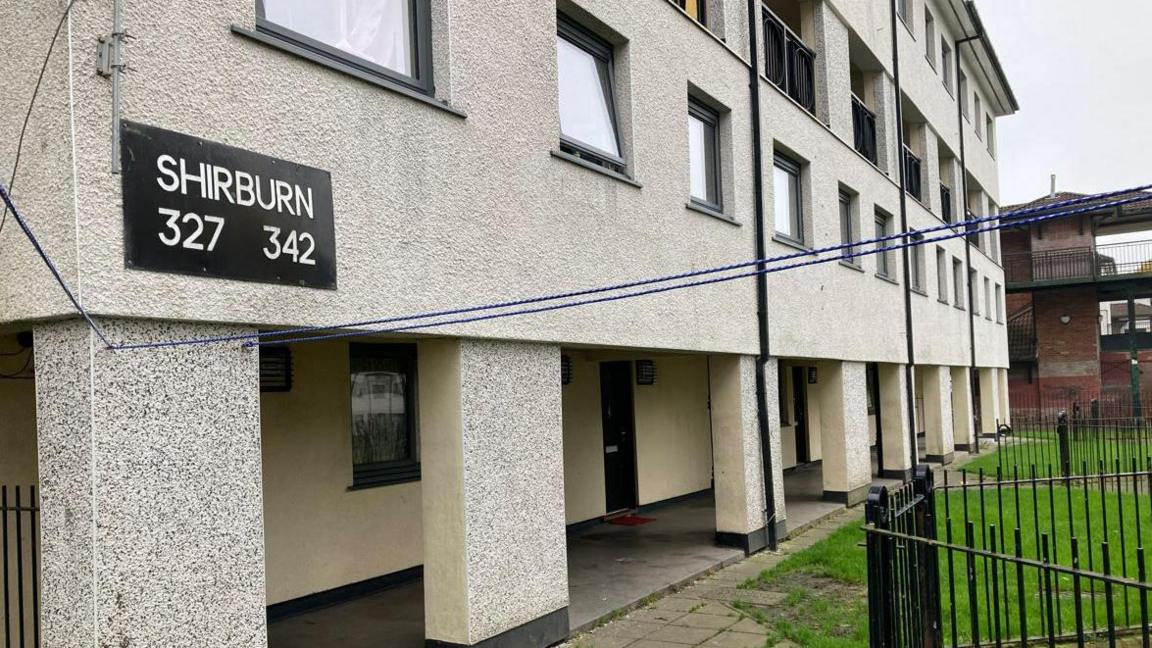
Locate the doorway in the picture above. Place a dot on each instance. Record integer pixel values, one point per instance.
(800, 413)
(616, 409)
(872, 376)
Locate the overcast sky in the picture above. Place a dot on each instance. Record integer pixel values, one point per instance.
(1080, 70)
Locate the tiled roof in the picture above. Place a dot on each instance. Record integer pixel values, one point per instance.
(1061, 196)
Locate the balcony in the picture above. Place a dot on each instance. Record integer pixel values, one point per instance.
(946, 203)
(912, 174)
(1081, 265)
(788, 61)
(864, 129)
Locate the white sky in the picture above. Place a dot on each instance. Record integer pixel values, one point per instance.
(1080, 70)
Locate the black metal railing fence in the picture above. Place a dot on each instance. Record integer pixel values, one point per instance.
(19, 540)
(864, 129)
(788, 62)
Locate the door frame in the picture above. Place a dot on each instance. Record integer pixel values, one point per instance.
(634, 497)
(800, 414)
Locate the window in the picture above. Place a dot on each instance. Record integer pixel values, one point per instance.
(999, 297)
(957, 283)
(883, 259)
(916, 259)
(941, 275)
(989, 134)
(946, 64)
(698, 9)
(787, 188)
(588, 125)
(387, 38)
(963, 90)
(848, 228)
(704, 155)
(383, 407)
(974, 288)
(903, 9)
(979, 112)
(929, 38)
(987, 299)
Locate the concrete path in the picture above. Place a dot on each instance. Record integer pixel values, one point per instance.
(701, 614)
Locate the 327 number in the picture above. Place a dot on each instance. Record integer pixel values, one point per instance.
(291, 246)
(175, 234)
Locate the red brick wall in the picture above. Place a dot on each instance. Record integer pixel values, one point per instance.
(1062, 233)
(1115, 370)
(1068, 354)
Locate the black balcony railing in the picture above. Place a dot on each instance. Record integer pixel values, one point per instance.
(912, 173)
(946, 203)
(1081, 264)
(864, 129)
(788, 61)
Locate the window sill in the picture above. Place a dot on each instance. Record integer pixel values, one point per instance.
(944, 301)
(367, 476)
(918, 291)
(383, 483)
(854, 266)
(890, 280)
(791, 242)
(561, 155)
(333, 64)
(708, 211)
(959, 307)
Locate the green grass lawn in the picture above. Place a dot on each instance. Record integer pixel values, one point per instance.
(826, 584)
(1040, 448)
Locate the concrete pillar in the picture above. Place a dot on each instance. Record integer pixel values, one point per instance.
(887, 137)
(989, 401)
(962, 424)
(896, 443)
(495, 558)
(842, 396)
(152, 520)
(1005, 402)
(939, 441)
(736, 453)
(833, 81)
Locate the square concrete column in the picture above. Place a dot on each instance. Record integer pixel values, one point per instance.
(896, 442)
(1005, 402)
(888, 153)
(939, 441)
(495, 558)
(832, 72)
(963, 431)
(989, 401)
(842, 395)
(736, 453)
(152, 520)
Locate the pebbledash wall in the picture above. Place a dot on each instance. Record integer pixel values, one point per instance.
(457, 200)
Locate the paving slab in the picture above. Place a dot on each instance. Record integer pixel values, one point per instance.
(735, 640)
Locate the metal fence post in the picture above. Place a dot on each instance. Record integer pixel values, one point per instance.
(928, 566)
(881, 606)
(1065, 448)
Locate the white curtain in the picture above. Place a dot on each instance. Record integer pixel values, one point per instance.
(379, 31)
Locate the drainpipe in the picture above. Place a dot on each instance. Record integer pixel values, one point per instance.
(973, 371)
(761, 278)
(909, 387)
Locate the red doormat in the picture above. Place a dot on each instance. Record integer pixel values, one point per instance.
(630, 520)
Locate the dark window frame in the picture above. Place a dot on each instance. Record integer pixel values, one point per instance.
(389, 473)
(883, 222)
(701, 10)
(848, 233)
(710, 117)
(421, 34)
(604, 53)
(792, 167)
(930, 37)
(917, 271)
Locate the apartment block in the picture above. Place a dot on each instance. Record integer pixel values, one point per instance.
(286, 183)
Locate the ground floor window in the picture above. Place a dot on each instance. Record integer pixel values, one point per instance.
(383, 414)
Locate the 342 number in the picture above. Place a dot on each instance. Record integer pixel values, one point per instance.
(174, 235)
(291, 246)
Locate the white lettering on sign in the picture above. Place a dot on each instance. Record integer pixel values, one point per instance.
(235, 187)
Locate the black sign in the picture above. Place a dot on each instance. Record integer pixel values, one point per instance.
(197, 207)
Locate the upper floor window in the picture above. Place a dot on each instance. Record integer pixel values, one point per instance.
(588, 122)
(787, 190)
(963, 91)
(978, 109)
(990, 134)
(916, 261)
(848, 228)
(946, 64)
(941, 275)
(704, 155)
(987, 298)
(958, 283)
(383, 414)
(883, 259)
(388, 38)
(999, 297)
(697, 9)
(904, 9)
(930, 38)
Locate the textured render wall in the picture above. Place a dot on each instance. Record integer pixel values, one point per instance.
(938, 410)
(843, 401)
(44, 183)
(736, 446)
(423, 217)
(963, 425)
(318, 534)
(897, 443)
(150, 467)
(673, 435)
(583, 441)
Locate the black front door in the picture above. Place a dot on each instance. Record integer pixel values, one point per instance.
(619, 437)
(800, 410)
(873, 376)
